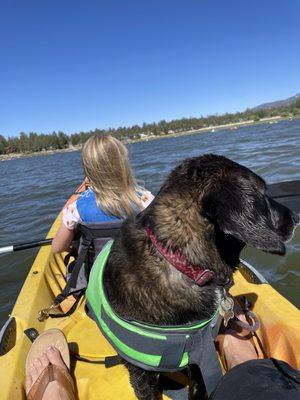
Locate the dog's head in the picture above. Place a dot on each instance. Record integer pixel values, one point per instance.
(233, 199)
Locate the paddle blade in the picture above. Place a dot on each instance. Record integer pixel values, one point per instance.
(286, 193)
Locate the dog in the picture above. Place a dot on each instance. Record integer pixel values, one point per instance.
(208, 209)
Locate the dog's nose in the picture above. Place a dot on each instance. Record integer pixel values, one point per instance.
(295, 218)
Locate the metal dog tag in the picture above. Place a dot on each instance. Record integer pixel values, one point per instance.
(226, 309)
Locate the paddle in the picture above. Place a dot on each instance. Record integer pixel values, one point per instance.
(12, 248)
(287, 193)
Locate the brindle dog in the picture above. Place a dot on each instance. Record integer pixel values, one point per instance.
(209, 208)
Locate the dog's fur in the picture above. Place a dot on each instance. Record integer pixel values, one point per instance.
(209, 208)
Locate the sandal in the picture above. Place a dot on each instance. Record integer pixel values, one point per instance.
(55, 338)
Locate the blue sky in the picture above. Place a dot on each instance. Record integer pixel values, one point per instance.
(79, 65)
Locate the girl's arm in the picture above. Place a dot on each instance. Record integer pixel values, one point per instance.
(63, 239)
(65, 233)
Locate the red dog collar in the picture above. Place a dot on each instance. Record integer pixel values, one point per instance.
(197, 273)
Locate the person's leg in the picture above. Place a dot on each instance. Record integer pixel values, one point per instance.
(250, 378)
(259, 380)
(237, 349)
(235, 343)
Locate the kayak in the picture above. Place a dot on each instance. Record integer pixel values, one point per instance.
(278, 335)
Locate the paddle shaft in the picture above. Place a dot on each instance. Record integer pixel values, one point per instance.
(24, 246)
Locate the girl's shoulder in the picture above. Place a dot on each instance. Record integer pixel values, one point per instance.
(87, 194)
(70, 215)
(86, 199)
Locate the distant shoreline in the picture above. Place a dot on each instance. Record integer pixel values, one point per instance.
(235, 126)
(12, 156)
(212, 129)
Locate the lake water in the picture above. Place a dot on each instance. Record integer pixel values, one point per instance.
(33, 190)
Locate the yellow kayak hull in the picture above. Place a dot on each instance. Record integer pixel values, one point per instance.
(279, 333)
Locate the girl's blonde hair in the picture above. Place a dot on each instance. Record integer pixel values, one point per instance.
(106, 165)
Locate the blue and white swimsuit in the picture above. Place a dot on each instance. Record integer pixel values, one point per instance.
(86, 209)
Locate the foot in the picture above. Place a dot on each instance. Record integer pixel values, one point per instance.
(55, 358)
(53, 390)
(236, 343)
(35, 371)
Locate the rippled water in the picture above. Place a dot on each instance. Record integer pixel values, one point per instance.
(33, 190)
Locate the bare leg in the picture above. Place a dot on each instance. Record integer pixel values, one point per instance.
(235, 343)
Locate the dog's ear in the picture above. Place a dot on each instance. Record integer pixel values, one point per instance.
(244, 215)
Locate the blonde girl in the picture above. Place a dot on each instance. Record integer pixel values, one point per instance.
(113, 192)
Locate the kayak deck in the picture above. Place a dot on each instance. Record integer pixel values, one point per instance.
(279, 333)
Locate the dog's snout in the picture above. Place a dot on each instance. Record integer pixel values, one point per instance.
(295, 218)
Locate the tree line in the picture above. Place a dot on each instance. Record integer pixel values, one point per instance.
(35, 142)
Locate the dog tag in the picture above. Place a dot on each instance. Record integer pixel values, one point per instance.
(226, 309)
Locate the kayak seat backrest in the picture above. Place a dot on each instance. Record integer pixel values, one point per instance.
(97, 235)
(89, 240)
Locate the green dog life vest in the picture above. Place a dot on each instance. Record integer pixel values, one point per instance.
(153, 347)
